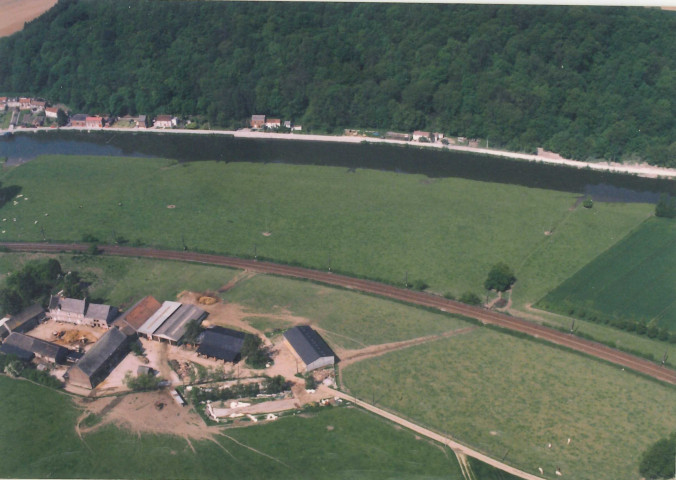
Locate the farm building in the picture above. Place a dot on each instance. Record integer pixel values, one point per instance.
(78, 120)
(81, 312)
(100, 360)
(257, 121)
(23, 321)
(40, 348)
(222, 343)
(170, 321)
(309, 347)
(131, 320)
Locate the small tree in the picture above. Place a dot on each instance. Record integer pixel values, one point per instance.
(275, 384)
(500, 278)
(470, 298)
(142, 383)
(61, 117)
(192, 331)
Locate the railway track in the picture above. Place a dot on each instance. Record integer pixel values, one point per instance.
(413, 297)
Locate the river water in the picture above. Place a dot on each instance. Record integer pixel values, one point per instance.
(602, 186)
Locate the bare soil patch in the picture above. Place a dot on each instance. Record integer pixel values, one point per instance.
(68, 335)
(16, 12)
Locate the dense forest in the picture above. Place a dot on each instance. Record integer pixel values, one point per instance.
(588, 82)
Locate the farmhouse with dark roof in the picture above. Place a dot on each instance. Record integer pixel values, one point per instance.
(100, 360)
(309, 347)
(222, 343)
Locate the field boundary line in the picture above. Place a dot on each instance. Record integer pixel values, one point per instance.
(452, 444)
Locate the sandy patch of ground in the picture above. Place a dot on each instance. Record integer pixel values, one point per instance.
(138, 413)
(16, 12)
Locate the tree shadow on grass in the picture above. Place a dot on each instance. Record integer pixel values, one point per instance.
(8, 193)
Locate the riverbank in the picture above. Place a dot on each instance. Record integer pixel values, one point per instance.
(642, 170)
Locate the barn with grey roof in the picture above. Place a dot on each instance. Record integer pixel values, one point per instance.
(170, 321)
(100, 360)
(49, 351)
(23, 321)
(309, 347)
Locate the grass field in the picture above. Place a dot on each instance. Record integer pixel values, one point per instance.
(635, 280)
(351, 320)
(44, 444)
(503, 394)
(447, 232)
(122, 281)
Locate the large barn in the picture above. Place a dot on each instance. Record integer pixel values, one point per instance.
(309, 347)
(131, 320)
(170, 322)
(18, 343)
(100, 360)
(222, 343)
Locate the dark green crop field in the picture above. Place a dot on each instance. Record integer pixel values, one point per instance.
(633, 281)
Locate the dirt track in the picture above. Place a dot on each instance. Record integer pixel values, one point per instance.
(417, 298)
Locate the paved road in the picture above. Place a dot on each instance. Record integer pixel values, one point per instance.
(455, 446)
(417, 298)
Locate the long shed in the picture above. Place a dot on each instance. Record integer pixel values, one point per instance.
(40, 348)
(100, 360)
(23, 321)
(309, 347)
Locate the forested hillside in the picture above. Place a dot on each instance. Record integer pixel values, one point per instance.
(582, 81)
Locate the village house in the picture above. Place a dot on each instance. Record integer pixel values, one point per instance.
(78, 120)
(296, 128)
(3, 103)
(100, 360)
(257, 121)
(37, 105)
(23, 321)
(165, 121)
(309, 348)
(13, 103)
(51, 112)
(94, 122)
(288, 124)
(24, 103)
(273, 123)
(419, 136)
(25, 347)
(81, 312)
(142, 121)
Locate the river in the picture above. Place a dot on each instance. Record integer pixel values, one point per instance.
(602, 186)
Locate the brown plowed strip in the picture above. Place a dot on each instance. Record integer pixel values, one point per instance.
(417, 298)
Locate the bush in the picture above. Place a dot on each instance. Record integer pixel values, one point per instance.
(41, 377)
(275, 384)
(143, 382)
(136, 348)
(588, 202)
(310, 382)
(419, 285)
(470, 298)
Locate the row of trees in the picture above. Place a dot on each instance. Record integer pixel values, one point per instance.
(35, 282)
(582, 81)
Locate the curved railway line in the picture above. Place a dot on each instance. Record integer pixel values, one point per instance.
(487, 317)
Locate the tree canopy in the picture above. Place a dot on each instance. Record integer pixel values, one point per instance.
(500, 278)
(587, 82)
(658, 460)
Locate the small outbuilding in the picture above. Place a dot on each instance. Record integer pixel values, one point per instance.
(309, 347)
(100, 360)
(222, 343)
(17, 342)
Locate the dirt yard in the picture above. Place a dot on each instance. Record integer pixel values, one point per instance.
(73, 335)
(16, 12)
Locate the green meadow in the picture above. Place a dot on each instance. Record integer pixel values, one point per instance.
(349, 319)
(447, 232)
(509, 396)
(635, 280)
(39, 441)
